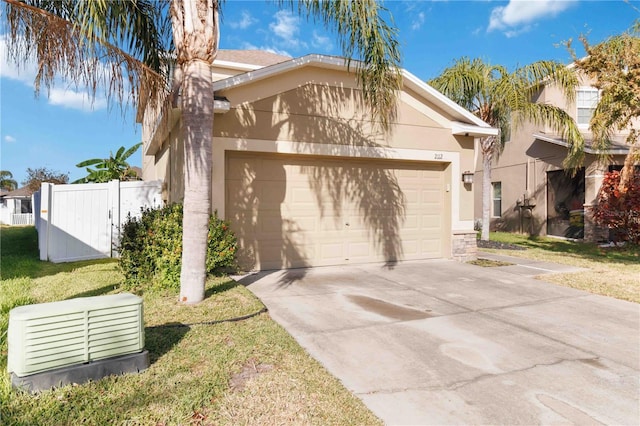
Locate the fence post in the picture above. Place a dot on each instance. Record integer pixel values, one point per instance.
(35, 208)
(46, 194)
(114, 214)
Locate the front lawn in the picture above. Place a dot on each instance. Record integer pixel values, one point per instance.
(245, 372)
(612, 271)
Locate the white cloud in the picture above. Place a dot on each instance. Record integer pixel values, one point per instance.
(76, 100)
(245, 22)
(517, 32)
(10, 139)
(524, 12)
(321, 42)
(417, 22)
(287, 27)
(25, 73)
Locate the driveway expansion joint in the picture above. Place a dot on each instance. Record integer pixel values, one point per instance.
(463, 383)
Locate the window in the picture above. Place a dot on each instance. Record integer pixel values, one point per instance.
(586, 101)
(507, 132)
(496, 198)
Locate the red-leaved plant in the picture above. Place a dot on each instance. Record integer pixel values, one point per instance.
(618, 210)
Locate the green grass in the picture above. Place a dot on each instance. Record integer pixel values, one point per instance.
(247, 372)
(610, 271)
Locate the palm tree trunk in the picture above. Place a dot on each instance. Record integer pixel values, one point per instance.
(486, 196)
(628, 169)
(196, 34)
(486, 148)
(197, 116)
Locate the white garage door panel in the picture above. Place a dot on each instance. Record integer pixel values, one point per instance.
(293, 211)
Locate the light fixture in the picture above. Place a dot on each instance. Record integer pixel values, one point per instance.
(467, 177)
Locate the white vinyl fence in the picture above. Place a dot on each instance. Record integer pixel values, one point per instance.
(21, 219)
(10, 212)
(82, 221)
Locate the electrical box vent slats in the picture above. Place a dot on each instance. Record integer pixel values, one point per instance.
(59, 334)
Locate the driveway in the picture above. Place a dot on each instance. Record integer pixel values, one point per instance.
(440, 342)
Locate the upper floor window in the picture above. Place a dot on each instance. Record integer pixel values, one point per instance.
(586, 100)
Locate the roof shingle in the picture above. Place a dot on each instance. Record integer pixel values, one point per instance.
(251, 57)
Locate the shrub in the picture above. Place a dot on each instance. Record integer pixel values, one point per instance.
(619, 212)
(151, 248)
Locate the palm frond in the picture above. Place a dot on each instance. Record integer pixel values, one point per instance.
(119, 152)
(130, 151)
(90, 162)
(64, 47)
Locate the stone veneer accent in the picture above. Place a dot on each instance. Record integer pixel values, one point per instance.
(464, 246)
(592, 232)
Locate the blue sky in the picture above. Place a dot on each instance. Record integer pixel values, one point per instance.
(60, 129)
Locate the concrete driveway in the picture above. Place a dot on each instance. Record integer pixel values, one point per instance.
(439, 342)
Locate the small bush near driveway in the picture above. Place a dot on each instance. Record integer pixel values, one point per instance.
(151, 248)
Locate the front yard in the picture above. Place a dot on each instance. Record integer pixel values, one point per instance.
(245, 372)
(612, 271)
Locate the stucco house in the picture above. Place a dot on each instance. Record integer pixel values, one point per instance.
(531, 191)
(305, 178)
(16, 207)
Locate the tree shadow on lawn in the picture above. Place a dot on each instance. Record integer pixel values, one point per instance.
(160, 339)
(27, 267)
(226, 285)
(589, 251)
(19, 256)
(96, 291)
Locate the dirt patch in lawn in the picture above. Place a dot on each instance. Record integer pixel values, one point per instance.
(488, 263)
(249, 371)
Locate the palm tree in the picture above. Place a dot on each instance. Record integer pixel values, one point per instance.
(116, 46)
(6, 181)
(196, 35)
(501, 98)
(106, 169)
(84, 31)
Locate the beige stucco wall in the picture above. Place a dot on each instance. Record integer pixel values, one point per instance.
(315, 111)
(167, 165)
(553, 95)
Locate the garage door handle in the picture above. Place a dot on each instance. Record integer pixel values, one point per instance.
(346, 224)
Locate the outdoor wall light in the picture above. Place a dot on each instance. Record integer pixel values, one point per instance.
(467, 177)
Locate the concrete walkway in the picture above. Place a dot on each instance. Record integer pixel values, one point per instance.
(527, 267)
(439, 342)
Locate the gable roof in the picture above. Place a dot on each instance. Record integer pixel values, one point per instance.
(23, 192)
(463, 121)
(260, 58)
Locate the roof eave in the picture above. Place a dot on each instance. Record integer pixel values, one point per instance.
(282, 67)
(464, 129)
(220, 106)
(438, 98)
(587, 150)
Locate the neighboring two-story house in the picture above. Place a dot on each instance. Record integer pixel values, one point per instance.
(532, 193)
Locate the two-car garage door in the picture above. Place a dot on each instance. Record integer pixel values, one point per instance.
(295, 211)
